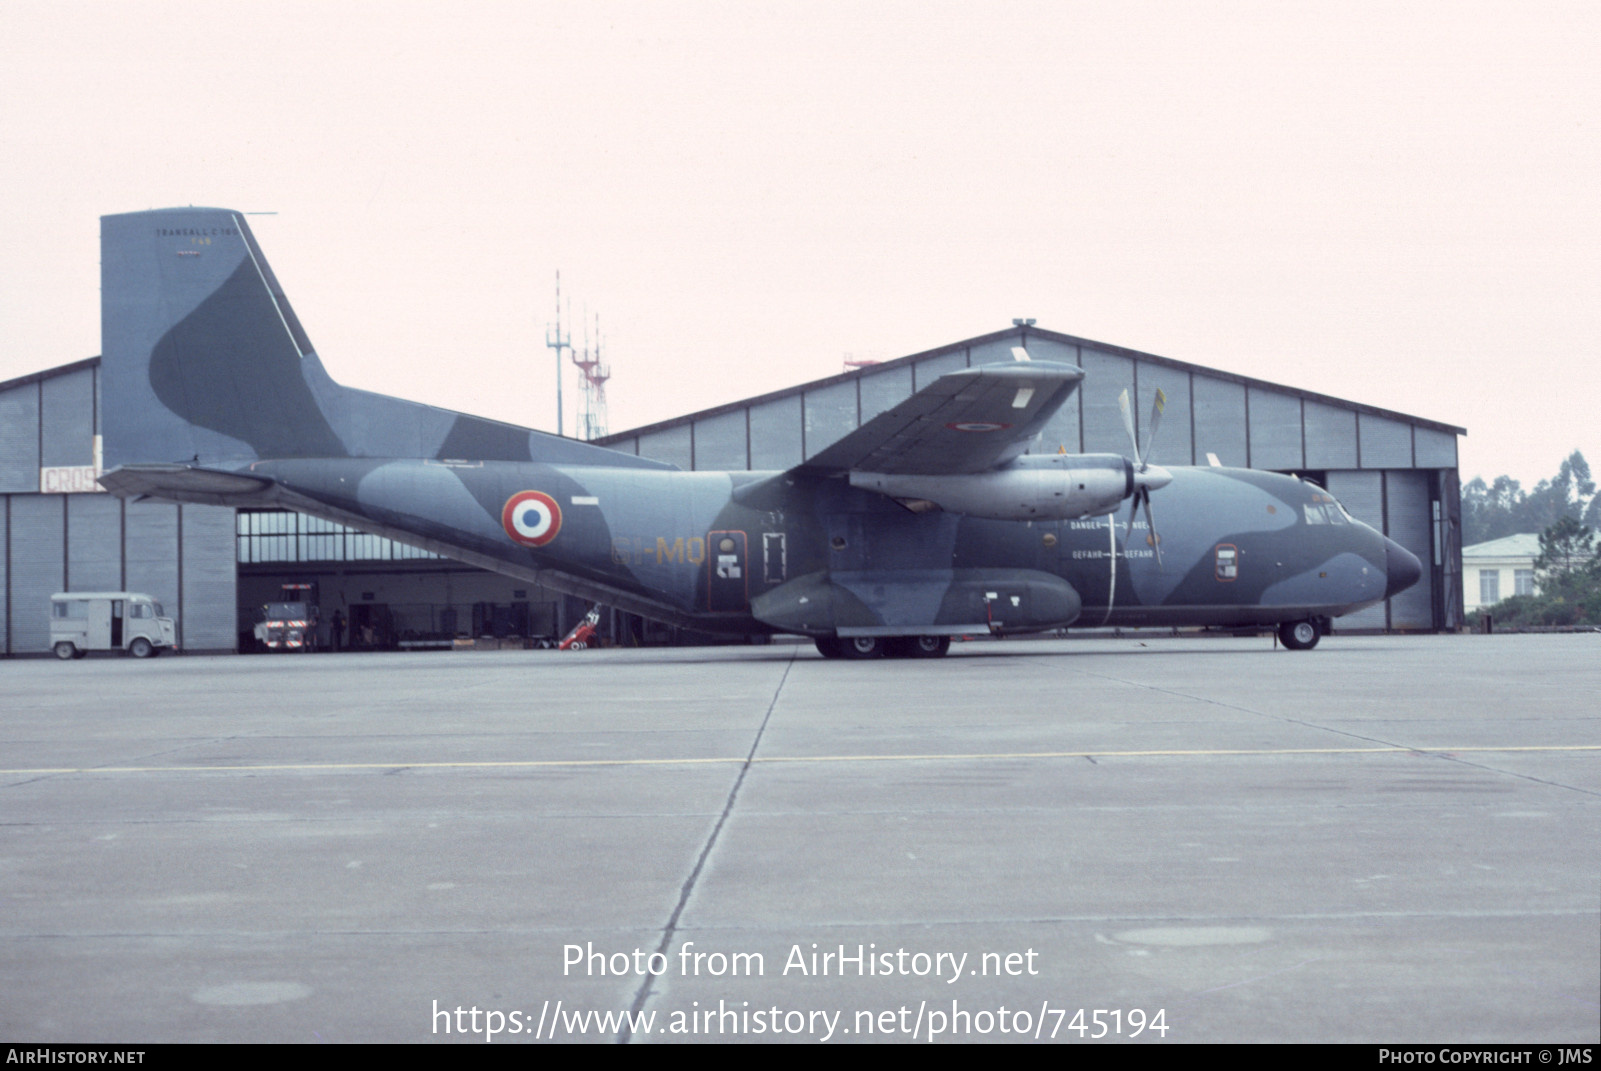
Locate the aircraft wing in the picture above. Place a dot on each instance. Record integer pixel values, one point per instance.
(964, 422)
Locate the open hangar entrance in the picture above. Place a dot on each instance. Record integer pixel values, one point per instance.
(384, 595)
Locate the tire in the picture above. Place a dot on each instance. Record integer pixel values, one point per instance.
(829, 647)
(862, 647)
(918, 647)
(65, 651)
(140, 647)
(1299, 635)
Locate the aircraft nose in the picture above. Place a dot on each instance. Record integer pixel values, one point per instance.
(1401, 568)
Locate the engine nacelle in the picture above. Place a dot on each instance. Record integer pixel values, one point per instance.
(1049, 487)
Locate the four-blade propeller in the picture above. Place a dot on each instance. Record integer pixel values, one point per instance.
(1147, 477)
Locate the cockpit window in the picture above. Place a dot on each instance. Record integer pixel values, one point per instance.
(1323, 509)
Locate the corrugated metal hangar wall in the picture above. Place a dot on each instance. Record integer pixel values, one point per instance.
(1395, 472)
(61, 533)
(58, 532)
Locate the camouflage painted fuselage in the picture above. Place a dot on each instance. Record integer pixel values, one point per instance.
(213, 394)
(1238, 548)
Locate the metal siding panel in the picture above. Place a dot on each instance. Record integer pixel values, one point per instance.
(5, 575)
(1000, 351)
(1173, 438)
(1275, 430)
(775, 434)
(1105, 377)
(1362, 495)
(830, 415)
(19, 439)
(884, 390)
(1330, 437)
(1412, 526)
(151, 550)
(94, 543)
(720, 442)
(210, 588)
(1219, 420)
(670, 445)
(926, 372)
(1435, 449)
(68, 415)
(1386, 444)
(37, 556)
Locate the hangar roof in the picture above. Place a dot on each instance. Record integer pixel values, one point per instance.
(1055, 336)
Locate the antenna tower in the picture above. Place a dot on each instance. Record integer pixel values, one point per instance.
(592, 422)
(556, 340)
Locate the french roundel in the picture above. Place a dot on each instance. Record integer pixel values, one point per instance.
(531, 518)
(977, 425)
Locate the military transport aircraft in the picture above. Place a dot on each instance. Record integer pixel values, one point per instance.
(929, 520)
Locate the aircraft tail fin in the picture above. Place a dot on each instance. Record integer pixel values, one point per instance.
(203, 361)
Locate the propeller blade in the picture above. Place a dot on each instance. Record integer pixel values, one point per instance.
(1150, 523)
(1157, 406)
(1128, 422)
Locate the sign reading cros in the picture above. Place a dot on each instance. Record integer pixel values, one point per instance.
(69, 480)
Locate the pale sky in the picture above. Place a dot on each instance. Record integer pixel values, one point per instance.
(1397, 204)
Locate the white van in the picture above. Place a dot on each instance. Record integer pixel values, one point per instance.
(84, 621)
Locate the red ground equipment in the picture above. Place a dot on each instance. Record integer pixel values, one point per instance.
(583, 634)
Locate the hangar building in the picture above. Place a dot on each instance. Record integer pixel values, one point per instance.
(211, 565)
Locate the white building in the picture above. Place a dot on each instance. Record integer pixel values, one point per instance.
(1498, 570)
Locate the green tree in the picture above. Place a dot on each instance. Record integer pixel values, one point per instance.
(1503, 508)
(1567, 559)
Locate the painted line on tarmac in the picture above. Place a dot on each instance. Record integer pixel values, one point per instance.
(516, 764)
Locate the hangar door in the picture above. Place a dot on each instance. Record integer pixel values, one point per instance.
(1411, 515)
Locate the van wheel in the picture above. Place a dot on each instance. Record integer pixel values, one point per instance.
(140, 648)
(66, 651)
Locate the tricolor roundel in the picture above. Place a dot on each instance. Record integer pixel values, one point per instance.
(977, 425)
(531, 518)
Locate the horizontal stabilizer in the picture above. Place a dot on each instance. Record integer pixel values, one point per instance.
(186, 483)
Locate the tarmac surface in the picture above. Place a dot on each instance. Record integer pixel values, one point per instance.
(1387, 839)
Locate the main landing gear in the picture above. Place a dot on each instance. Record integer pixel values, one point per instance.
(1300, 635)
(858, 647)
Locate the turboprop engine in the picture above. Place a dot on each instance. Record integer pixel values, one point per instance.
(1053, 487)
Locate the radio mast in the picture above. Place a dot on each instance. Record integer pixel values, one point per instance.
(556, 340)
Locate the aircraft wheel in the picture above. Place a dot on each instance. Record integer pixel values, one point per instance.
(919, 646)
(829, 647)
(1299, 635)
(140, 648)
(859, 647)
(66, 651)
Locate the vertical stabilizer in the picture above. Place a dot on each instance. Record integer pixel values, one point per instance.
(202, 354)
(204, 362)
